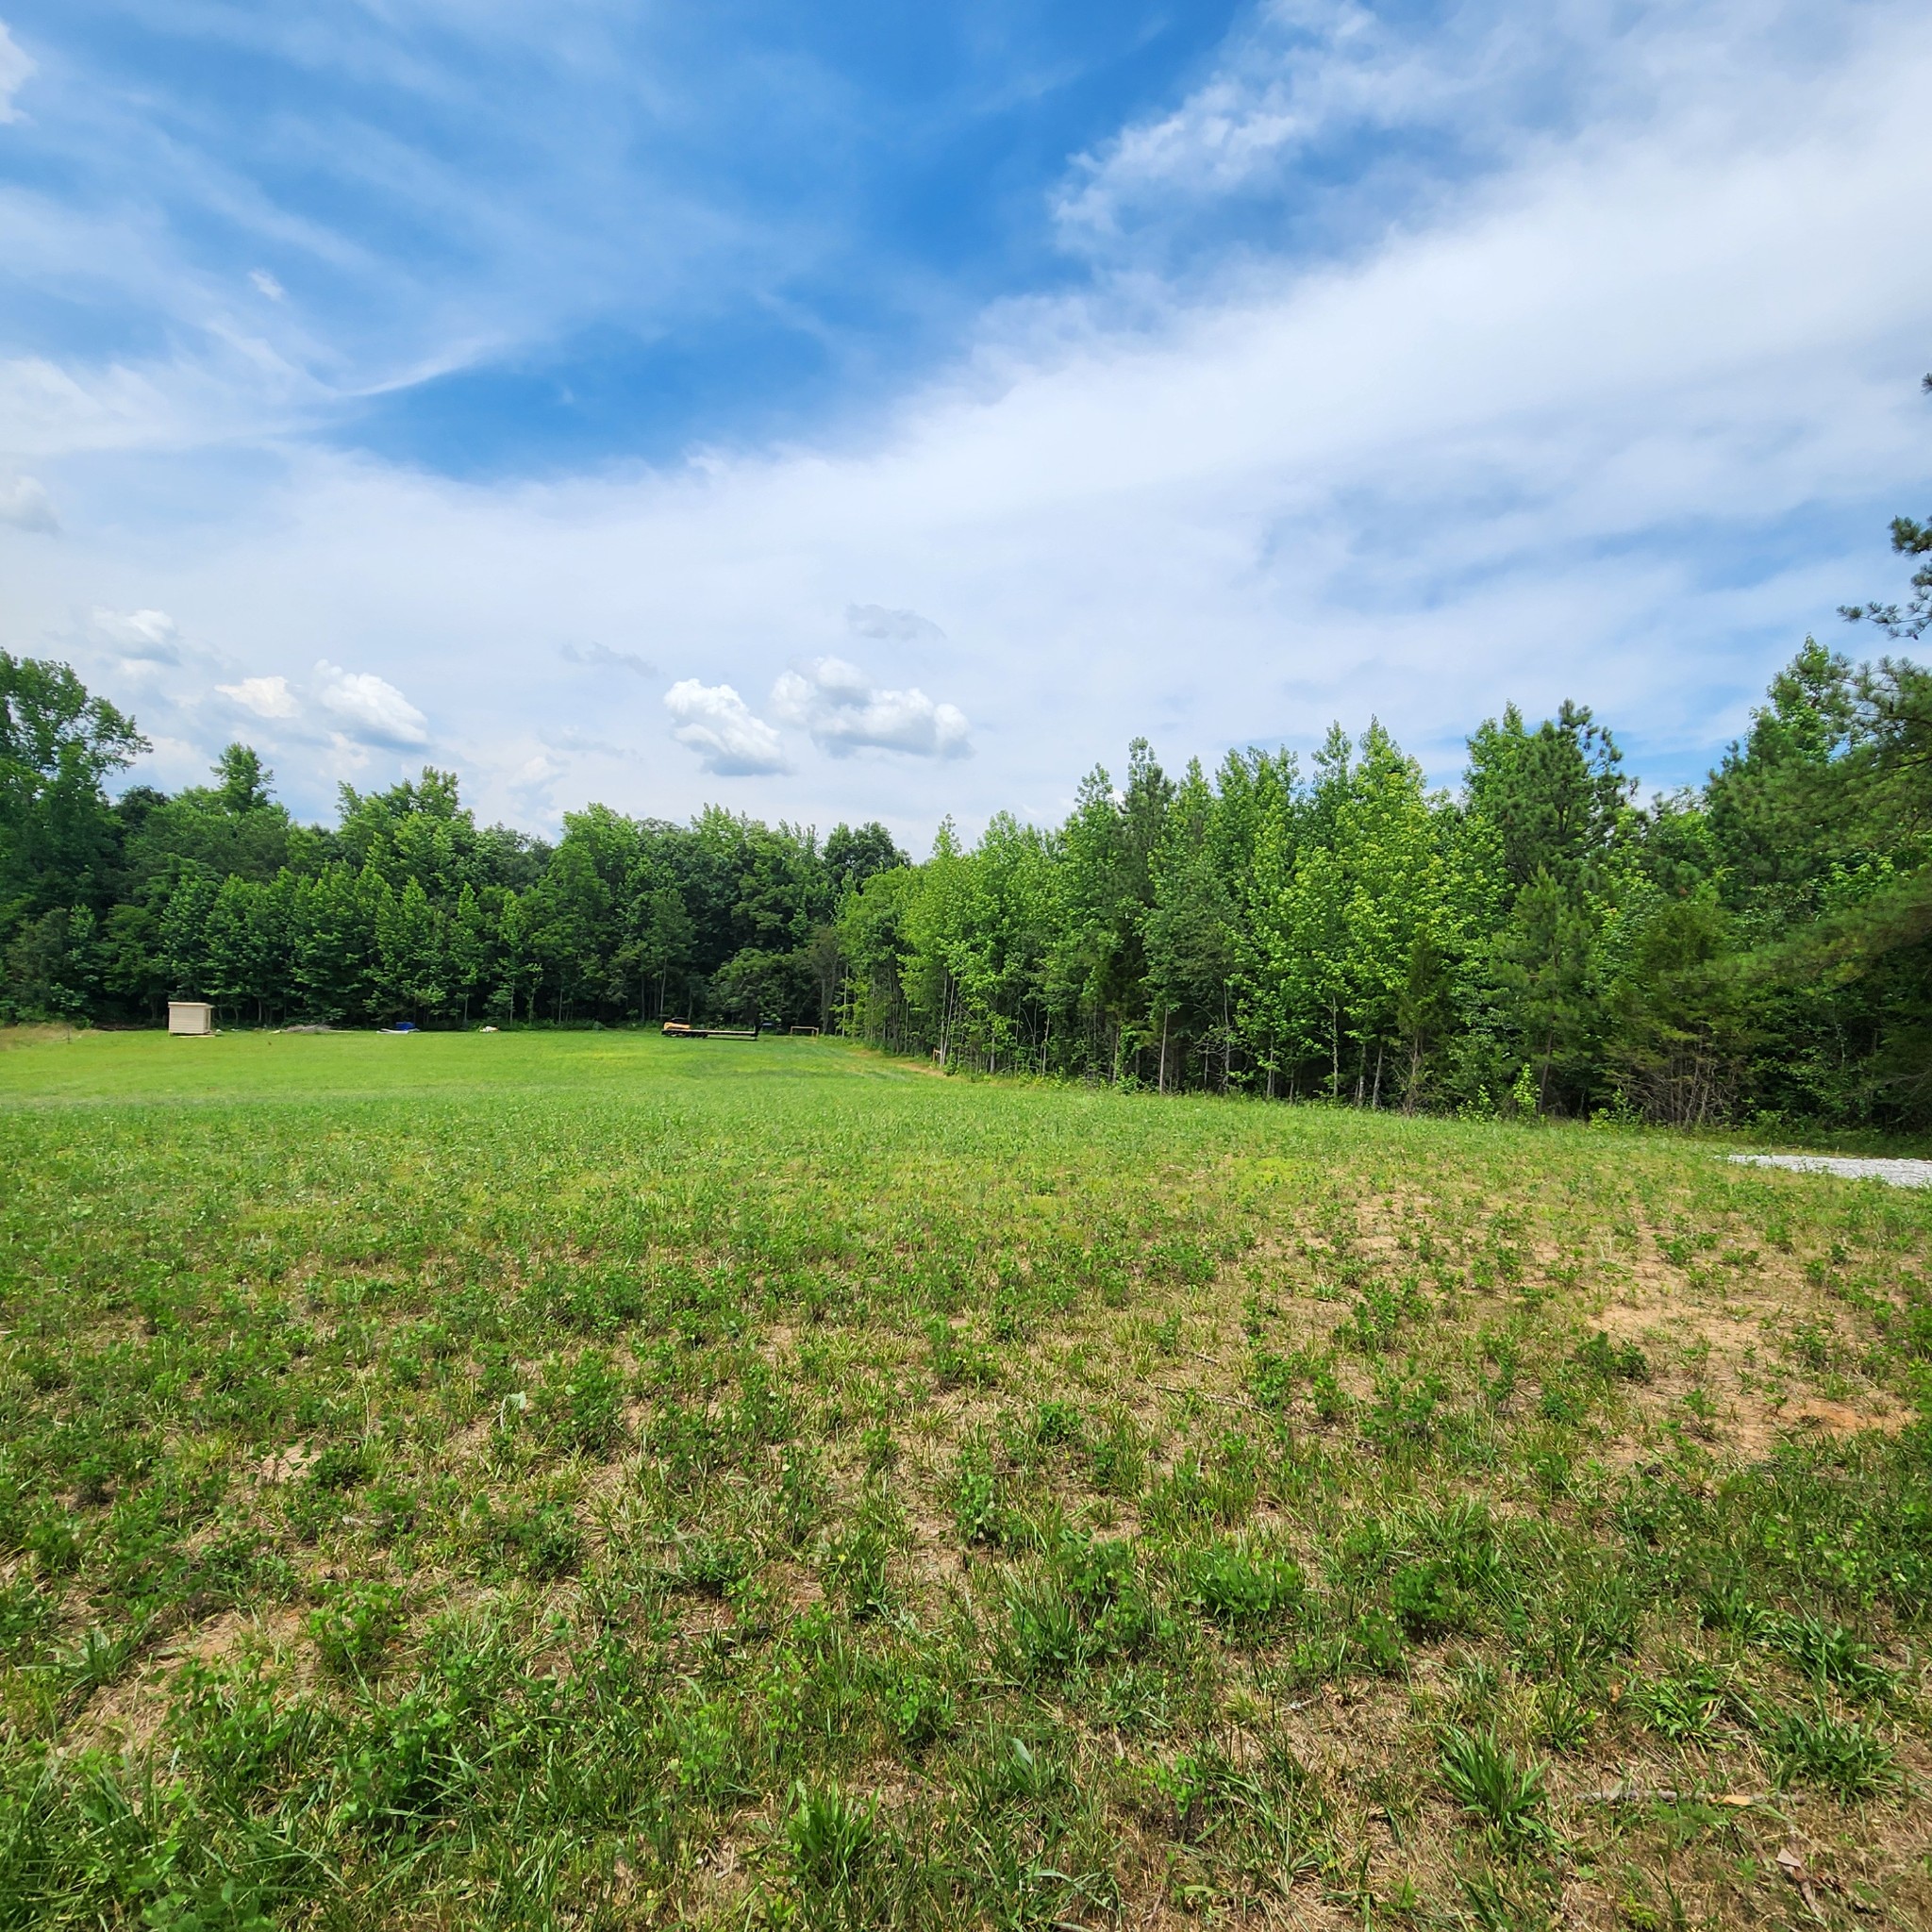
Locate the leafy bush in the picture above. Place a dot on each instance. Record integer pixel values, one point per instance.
(1080, 1603)
(538, 1540)
(712, 1565)
(342, 1466)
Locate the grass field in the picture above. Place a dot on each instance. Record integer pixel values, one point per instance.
(590, 1480)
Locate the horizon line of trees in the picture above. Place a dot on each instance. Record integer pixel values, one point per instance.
(1536, 940)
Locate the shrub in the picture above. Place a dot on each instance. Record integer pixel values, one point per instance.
(1056, 1423)
(1082, 1602)
(404, 1769)
(341, 1465)
(712, 1565)
(27, 1618)
(916, 1705)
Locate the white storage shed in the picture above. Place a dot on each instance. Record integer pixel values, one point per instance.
(191, 1016)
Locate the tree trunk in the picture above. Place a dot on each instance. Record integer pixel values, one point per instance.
(1375, 1103)
(1161, 1083)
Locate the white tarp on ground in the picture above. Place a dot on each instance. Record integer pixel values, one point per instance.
(1901, 1174)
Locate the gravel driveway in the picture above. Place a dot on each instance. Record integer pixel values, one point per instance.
(1901, 1174)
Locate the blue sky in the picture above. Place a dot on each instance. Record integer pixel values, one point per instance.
(871, 410)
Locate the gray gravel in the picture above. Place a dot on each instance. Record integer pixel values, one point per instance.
(1901, 1174)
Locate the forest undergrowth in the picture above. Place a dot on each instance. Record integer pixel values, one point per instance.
(598, 1481)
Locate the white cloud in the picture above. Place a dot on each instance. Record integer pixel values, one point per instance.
(892, 626)
(267, 697)
(1593, 422)
(16, 69)
(1398, 114)
(601, 657)
(149, 635)
(368, 708)
(24, 504)
(833, 701)
(1298, 70)
(714, 722)
(267, 284)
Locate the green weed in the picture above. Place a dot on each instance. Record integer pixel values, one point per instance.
(1489, 1780)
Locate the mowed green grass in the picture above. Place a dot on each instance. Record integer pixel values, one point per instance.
(593, 1480)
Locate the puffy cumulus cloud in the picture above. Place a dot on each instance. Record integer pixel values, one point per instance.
(24, 504)
(368, 708)
(150, 637)
(718, 725)
(265, 697)
(834, 701)
(16, 69)
(892, 626)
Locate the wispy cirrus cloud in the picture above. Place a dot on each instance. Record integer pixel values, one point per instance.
(602, 657)
(876, 620)
(16, 70)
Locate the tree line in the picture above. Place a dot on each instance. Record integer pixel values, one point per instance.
(1539, 940)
